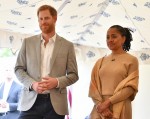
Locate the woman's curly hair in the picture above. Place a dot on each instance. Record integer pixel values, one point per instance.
(127, 33)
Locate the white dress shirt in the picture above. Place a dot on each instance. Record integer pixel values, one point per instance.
(7, 86)
(46, 54)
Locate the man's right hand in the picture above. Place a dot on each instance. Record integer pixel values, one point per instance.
(39, 87)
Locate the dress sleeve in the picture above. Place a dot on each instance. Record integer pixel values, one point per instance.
(134, 65)
(122, 95)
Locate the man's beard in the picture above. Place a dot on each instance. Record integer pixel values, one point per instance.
(47, 29)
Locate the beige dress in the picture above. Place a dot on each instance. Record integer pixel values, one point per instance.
(116, 78)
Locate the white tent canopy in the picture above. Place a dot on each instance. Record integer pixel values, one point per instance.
(83, 22)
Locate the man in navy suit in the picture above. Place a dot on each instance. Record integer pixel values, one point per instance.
(9, 96)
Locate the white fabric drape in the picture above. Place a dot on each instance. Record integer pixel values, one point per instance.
(84, 53)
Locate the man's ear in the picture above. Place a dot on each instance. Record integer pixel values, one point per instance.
(55, 18)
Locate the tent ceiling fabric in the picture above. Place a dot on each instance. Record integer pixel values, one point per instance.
(83, 22)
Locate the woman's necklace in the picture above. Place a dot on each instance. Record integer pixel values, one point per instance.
(113, 59)
(115, 56)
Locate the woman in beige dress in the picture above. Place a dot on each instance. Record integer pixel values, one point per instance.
(114, 79)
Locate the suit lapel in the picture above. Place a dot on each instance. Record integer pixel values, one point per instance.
(38, 52)
(11, 89)
(1, 90)
(55, 50)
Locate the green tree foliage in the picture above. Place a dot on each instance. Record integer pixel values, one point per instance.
(6, 52)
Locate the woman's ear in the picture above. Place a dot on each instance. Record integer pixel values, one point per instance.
(123, 39)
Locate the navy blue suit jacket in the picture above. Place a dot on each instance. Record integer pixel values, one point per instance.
(13, 96)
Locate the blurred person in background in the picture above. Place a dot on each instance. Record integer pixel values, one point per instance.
(9, 95)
